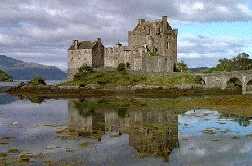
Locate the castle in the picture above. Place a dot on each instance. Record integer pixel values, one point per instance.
(152, 47)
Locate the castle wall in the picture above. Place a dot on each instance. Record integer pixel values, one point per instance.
(116, 55)
(157, 64)
(98, 55)
(76, 121)
(76, 58)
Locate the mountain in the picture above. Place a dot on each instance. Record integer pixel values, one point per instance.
(20, 70)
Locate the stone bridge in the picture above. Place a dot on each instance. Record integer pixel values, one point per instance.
(225, 80)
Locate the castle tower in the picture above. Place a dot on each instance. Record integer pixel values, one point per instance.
(163, 36)
(158, 37)
(90, 53)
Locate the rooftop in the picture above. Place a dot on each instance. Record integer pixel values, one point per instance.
(84, 45)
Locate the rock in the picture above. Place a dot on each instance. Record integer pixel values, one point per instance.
(4, 141)
(210, 131)
(14, 123)
(24, 157)
(92, 86)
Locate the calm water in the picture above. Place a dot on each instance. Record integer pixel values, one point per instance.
(121, 132)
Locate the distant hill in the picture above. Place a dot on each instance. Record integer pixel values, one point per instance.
(198, 69)
(20, 70)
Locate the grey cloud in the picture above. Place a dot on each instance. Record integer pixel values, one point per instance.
(46, 27)
(206, 51)
(206, 45)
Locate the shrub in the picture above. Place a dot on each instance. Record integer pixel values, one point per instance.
(199, 80)
(103, 81)
(121, 67)
(82, 85)
(128, 65)
(4, 76)
(85, 69)
(13, 150)
(122, 112)
(181, 67)
(37, 81)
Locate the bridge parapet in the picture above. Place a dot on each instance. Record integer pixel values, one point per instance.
(221, 80)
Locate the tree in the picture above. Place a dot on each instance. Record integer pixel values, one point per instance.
(240, 62)
(181, 67)
(83, 71)
(4, 76)
(37, 80)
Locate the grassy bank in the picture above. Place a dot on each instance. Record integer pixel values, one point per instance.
(124, 78)
(90, 83)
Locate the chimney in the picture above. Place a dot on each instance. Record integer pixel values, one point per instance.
(165, 24)
(118, 44)
(99, 40)
(140, 21)
(164, 18)
(75, 44)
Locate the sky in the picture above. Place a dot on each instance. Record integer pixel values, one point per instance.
(42, 30)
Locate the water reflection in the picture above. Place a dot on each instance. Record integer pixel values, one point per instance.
(6, 99)
(121, 131)
(150, 133)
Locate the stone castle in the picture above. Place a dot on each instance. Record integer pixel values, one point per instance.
(152, 47)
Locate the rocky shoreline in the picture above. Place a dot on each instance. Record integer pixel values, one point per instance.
(51, 91)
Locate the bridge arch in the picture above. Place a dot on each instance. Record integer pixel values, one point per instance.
(234, 83)
(200, 80)
(249, 86)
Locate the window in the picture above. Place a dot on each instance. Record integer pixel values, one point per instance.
(168, 45)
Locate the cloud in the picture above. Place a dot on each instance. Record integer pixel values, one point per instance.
(40, 30)
(200, 50)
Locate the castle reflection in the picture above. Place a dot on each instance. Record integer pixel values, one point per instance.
(150, 132)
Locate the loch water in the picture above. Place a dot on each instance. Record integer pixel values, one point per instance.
(122, 131)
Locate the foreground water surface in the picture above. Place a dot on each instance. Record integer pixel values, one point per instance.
(122, 131)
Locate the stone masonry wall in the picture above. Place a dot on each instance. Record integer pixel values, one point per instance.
(155, 34)
(116, 55)
(76, 58)
(157, 64)
(98, 55)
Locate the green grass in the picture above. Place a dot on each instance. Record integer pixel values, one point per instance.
(4, 76)
(2, 155)
(115, 78)
(13, 150)
(84, 144)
